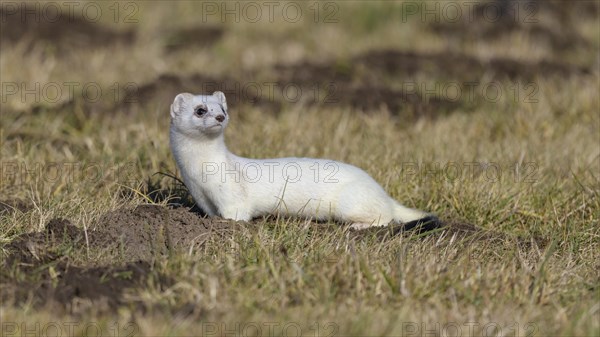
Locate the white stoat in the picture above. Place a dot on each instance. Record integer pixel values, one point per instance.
(233, 187)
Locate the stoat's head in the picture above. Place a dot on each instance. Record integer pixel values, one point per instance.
(199, 116)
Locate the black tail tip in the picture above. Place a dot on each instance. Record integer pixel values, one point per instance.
(422, 225)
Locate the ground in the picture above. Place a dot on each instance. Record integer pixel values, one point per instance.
(485, 114)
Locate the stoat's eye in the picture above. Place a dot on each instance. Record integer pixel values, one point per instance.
(200, 111)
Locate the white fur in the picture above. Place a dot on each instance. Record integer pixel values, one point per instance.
(239, 188)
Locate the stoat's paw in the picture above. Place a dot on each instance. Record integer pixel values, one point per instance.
(360, 225)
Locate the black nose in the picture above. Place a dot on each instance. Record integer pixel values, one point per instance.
(220, 118)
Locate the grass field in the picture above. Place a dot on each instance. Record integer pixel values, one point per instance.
(484, 114)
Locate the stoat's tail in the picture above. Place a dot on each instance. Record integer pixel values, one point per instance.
(412, 218)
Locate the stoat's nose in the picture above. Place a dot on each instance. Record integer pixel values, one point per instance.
(220, 118)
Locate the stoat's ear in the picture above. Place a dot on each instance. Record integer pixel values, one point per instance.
(181, 103)
(221, 97)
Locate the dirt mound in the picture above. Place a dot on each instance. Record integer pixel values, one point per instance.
(50, 267)
(496, 19)
(141, 234)
(309, 73)
(167, 86)
(39, 268)
(10, 206)
(559, 40)
(151, 231)
(459, 67)
(408, 104)
(72, 288)
(354, 86)
(55, 29)
(193, 37)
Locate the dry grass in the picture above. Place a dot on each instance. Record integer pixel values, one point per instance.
(533, 270)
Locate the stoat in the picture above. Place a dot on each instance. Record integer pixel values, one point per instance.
(233, 187)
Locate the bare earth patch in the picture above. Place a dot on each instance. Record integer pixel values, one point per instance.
(51, 263)
(10, 206)
(57, 31)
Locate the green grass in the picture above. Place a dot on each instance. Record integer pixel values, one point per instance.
(532, 271)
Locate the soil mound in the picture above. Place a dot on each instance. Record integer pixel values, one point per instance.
(47, 267)
(54, 29)
(193, 37)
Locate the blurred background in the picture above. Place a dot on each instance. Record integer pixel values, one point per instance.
(413, 58)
